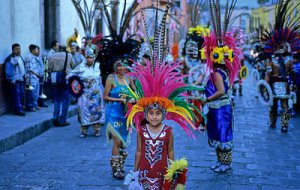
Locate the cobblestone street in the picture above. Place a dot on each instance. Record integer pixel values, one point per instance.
(263, 158)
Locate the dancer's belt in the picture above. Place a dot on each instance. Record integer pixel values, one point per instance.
(223, 101)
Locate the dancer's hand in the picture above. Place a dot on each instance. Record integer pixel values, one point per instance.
(132, 101)
(123, 100)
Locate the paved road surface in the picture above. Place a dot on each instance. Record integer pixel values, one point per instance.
(263, 158)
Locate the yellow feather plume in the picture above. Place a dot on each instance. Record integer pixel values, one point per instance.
(176, 167)
(181, 111)
(183, 115)
(135, 109)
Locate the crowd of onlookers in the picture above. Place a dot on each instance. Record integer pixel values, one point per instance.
(26, 77)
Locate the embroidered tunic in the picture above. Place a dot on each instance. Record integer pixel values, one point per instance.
(154, 157)
(91, 102)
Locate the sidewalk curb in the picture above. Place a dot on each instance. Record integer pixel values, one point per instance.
(30, 132)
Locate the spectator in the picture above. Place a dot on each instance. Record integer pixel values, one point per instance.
(77, 58)
(43, 82)
(15, 72)
(90, 45)
(54, 48)
(60, 63)
(35, 71)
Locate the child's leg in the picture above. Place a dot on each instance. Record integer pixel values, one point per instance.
(234, 88)
(240, 88)
(83, 129)
(96, 128)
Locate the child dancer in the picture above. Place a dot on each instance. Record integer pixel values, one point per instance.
(154, 148)
(157, 98)
(159, 95)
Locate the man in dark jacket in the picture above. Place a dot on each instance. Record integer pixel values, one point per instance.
(15, 72)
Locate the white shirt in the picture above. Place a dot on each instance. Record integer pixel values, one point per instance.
(21, 65)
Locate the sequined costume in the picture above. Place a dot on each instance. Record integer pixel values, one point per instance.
(90, 103)
(115, 120)
(222, 57)
(219, 118)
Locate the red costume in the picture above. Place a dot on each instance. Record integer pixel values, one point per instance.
(154, 157)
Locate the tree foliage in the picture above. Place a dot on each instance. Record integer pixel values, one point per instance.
(87, 13)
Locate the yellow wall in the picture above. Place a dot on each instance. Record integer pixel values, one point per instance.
(265, 15)
(262, 16)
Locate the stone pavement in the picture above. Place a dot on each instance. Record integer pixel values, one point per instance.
(263, 158)
(16, 130)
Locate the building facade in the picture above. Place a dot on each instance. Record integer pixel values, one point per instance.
(34, 22)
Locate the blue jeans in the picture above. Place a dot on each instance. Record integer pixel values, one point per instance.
(32, 96)
(61, 103)
(18, 95)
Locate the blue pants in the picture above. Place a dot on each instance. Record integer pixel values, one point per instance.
(18, 95)
(61, 103)
(32, 96)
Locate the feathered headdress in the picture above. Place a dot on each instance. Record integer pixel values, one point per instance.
(114, 47)
(158, 84)
(282, 37)
(220, 46)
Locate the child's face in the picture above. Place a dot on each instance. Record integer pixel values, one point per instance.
(154, 117)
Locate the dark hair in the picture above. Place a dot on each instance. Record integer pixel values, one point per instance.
(32, 47)
(14, 46)
(62, 48)
(144, 122)
(146, 56)
(53, 43)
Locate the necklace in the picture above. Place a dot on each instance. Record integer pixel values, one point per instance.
(121, 79)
